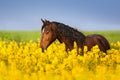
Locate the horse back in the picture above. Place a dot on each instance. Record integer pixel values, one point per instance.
(96, 39)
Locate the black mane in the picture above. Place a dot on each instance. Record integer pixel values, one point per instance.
(67, 31)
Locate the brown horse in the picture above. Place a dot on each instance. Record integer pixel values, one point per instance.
(64, 33)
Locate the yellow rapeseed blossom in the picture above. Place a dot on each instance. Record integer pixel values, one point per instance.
(26, 61)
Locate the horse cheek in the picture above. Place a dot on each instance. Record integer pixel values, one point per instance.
(42, 43)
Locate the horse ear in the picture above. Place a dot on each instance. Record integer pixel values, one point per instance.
(46, 21)
(43, 21)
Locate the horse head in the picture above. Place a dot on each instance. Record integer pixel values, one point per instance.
(48, 32)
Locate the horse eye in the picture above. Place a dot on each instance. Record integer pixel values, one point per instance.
(47, 32)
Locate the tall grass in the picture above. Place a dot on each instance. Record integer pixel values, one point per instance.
(112, 36)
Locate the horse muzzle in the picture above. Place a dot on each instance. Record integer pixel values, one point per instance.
(43, 49)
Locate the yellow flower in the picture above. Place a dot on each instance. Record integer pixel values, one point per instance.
(25, 61)
(85, 49)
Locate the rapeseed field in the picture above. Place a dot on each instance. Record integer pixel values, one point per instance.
(25, 61)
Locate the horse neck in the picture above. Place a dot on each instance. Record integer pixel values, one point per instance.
(59, 37)
(59, 32)
(69, 40)
(62, 33)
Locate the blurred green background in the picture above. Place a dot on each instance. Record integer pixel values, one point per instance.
(112, 36)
